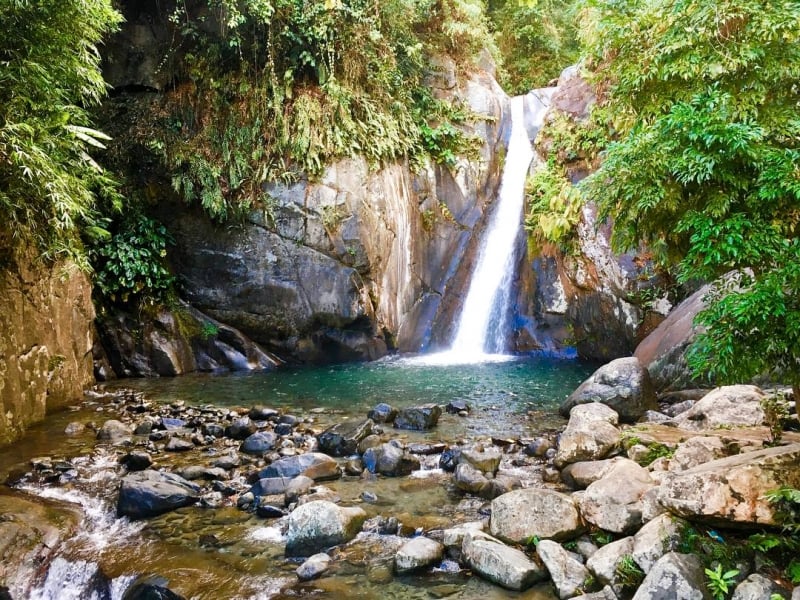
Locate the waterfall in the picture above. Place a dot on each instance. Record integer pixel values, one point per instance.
(483, 328)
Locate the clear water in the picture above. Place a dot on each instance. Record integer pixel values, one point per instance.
(505, 390)
(515, 397)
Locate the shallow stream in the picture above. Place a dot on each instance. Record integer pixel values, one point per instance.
(215, 553)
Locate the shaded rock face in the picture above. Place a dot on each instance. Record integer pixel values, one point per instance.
(46, 317)
(351, 266)
(173, 342)
(730, 491)
(623, 384)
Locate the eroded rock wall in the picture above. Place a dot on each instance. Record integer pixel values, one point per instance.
(46, 315)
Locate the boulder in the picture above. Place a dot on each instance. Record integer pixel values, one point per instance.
(469, 479)
(262, 413)
(726, 406)
(342, 439)
(317, 525)
(614, 503)
(382, 413)
(418, 418)
(696, 451)
(505, 566)
(259, 443)
(523, 514)
(193, 472)
(388, 459)
(149, 493)
(674, 576)
(484, 458)
(590, 434)
(297, 487)
(317, 466)
(270, 486)
(581, 474)
(659, 536)
(730, 491)
(137, 460)
(603, 563)
(418, 553)
(663, 352)
(114, 432)
(623, 384)
(241, 428)
(567, 573)
(755, 587)
(313, 567)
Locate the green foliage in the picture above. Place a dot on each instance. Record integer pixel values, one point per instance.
(704, 171)
(628, 574)
(554, 204)
(536, 38)
(720, 584)
(601, 538)
(131, 267)
(776, 413)
(49, 74)
(278, 89)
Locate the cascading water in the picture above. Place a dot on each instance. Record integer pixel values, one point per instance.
(482, 329)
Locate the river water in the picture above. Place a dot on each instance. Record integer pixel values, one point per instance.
(510, 398)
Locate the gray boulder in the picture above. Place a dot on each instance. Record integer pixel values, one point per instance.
(317, 466)
(149, 493)
(469, 479)
(114, 432)
(623, 384)
(388, 459)
(756, 587)
(382, 413)
(484, 458)
(726, 406)
(674, 576)
(240, 428)
(342, 439)
(590, 434)
(522, 514)
(659, 536)
(418, 553)
(418, 418)
(603, 563)
(505, 566)
(317, 525)
(730, 491)
(177, 444)
(567, 573)
(614, 503)
(581, 474)
(259, 443)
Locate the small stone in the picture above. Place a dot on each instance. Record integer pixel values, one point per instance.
(418, 418)
(449, 459)
(268, 511)
(283, 429)
(313, 567)
(75, 428)
(259, 443)
(176, 444)
(418, 553)
(240, 429)
(455, 407)
(353, 467)
(369, 497)
(262, 413)
(137, 460)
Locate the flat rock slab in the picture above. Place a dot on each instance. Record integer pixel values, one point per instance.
(730, 491)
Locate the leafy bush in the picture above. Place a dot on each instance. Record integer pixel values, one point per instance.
(131, 267)
(49, 75)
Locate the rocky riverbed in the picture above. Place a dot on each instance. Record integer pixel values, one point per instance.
(208, 502)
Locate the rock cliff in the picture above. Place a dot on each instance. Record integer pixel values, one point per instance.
(46, 315)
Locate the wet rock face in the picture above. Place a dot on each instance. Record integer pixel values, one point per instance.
(174, 342)
(46, 315)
